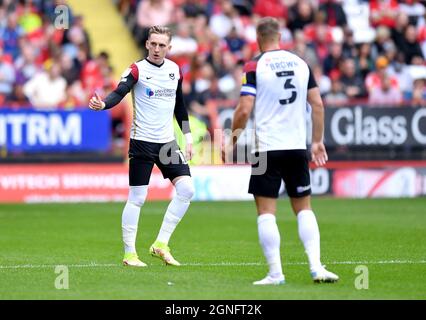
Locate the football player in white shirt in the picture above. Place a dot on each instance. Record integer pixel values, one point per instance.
(156, 85)
(277, 86)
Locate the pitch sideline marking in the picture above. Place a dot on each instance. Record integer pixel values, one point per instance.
(220, 264)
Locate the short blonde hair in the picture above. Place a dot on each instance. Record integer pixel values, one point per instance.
(160, 30)
(268, 28)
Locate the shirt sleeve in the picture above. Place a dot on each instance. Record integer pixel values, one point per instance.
(311, 82)
(248, 86)
(128, 79)
(180, 111)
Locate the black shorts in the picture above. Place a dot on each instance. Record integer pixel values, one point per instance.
(292, 166)
(167, 156)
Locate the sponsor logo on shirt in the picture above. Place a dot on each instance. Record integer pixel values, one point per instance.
(149, 92)
(158, 93)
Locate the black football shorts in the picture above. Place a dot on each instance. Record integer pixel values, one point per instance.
(167, 156)
(292, 166)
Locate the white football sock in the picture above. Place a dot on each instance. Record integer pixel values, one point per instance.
(310, 237)
(269, 238)
(130, 217)
(176, 209)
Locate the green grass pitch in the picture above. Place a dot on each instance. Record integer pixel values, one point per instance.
(218, 245)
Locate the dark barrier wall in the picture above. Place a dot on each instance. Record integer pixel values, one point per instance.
(54, 131)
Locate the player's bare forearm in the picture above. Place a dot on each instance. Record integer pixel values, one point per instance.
(317, 124)
(318, 151)
(241, 116)
(314, 99)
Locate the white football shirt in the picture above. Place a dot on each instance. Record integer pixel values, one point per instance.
(279, 80)
(154, 99)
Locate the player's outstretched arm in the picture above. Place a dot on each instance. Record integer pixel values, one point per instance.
(318, 151)
(128, 80)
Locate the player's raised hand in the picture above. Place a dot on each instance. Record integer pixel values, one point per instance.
(96, 103)
(318, 153)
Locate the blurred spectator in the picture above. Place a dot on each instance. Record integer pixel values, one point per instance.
(25, 64)
(7, 76)
(304, 51)
(352, 82)
(335, 16)
(10, 35)
(374, 79)
(418, 97)
(150, 13)
(386, 94)
(222, 22)
(76, 96)
(244, 7)
(227, 83)
(321, 42)
(92, 72)
(398, 31)
(29, 19)
(364, 62)
(46, 90)
(323, 81)
(286, 36)
(399, 69)
(17, 99)
(333, 59)
(199, 106)
(193, 8)
(300, 15)
(320, 22)
(183, 43)
(383, 12)
(154, 12)
(204, 79)
(236, 44)
(203, 36)
(270, 8)
(414, 10)
(76, 37)
(381, 43)
(411, 46)
(336, 96)
(70, 71)
(349, 49)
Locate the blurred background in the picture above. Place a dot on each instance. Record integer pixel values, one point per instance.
(368, 58)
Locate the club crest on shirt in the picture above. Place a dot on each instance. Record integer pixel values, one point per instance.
(172, 76)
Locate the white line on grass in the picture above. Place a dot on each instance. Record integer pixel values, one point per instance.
(219, 264)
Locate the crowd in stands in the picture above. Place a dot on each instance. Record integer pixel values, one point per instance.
(359, 51)
(369, 52)
(43, 66)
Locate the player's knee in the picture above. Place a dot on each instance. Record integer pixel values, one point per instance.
(185, 188)
(137, 195)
